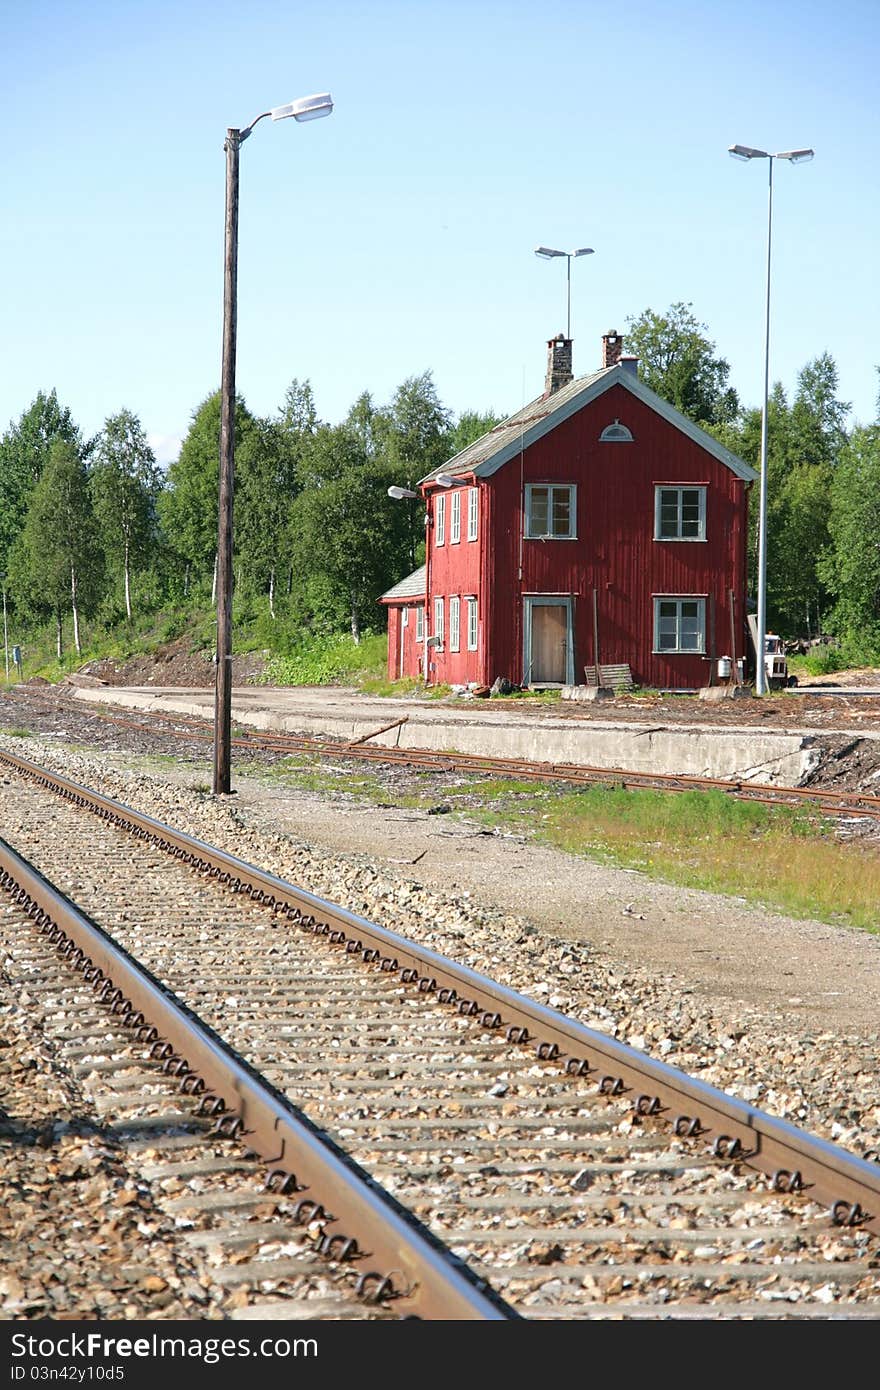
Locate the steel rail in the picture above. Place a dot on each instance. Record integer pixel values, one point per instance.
(827, 802)
(367, 1223)
(792, 1158)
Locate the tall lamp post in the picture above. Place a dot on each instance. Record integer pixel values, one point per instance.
(547, 253)
(794, 157)
(304, 109)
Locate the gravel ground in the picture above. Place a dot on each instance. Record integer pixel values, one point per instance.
(80, 1234)
(625, 957)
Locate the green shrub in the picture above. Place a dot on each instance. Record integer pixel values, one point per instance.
(328, 660)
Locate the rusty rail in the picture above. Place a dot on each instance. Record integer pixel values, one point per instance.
(830, 803)
(792, 1159)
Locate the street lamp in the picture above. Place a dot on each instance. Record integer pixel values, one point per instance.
(547, 253)
(794, 157)
(304, 109)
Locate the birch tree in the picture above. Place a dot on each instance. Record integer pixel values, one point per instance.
(125, 484)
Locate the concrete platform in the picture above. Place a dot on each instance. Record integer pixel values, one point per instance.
(495, 730)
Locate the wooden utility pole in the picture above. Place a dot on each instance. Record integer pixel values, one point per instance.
(223, 688)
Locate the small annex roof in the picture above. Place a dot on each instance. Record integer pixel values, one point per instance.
(413, 586)
(498, 446)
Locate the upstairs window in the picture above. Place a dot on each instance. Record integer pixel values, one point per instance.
(455, 519)
(551, 512)
(616, 434)
(680, 514)
(440, 519)
(473, 512)
(679, 625)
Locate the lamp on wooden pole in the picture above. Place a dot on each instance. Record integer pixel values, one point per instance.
(794, 157)
(304, 109)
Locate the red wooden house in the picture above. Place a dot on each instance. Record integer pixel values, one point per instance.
(597, 526)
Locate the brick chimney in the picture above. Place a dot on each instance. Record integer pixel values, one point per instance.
(559, 371)
(612, 347)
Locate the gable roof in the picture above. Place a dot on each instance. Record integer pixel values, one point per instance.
(491, 451)
(413, 586)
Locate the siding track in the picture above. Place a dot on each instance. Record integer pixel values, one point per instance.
(577, 1176)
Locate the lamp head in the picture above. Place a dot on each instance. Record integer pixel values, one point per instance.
(444, 480)
(796, 156)
(400, 492)
(547, 253)
(746, 152)
(304, 108)
(584, 251)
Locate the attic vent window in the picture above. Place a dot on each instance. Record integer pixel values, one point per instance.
(615, 434)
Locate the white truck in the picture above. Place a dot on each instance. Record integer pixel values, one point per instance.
(775, 660)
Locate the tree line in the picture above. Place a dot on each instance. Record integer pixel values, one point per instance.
(94, 528)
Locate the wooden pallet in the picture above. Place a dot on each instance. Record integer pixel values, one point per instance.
(615, 677)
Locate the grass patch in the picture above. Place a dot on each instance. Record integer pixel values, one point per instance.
(327, 660)
(783, 857)
(18, 732)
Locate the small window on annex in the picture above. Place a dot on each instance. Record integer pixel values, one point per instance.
(680, 625)
(420, 624)
(551, 511)
(679, 513)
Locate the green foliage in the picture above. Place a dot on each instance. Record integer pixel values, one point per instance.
(851, 565)
(24, 450)
(472, 425)
(678, 361)
(125, 484)
(327, 661)
(188, 506)
(56, 565)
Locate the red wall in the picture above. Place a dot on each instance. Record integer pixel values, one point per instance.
(405, 661)
(615, 551)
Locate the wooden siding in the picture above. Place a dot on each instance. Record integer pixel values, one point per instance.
(404, 657)
(614, 553)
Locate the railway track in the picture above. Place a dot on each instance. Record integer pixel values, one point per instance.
(568, 1175)
(833, 804)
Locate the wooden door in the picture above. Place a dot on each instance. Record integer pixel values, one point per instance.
(549, 643)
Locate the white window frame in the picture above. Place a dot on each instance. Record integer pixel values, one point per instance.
(420, 623)
(440, 520)
(473, 631)
(438, 620)
(455, 518)
(473, 512)
(454, 622)
(679, 599)
(680, 488)
(550, 488)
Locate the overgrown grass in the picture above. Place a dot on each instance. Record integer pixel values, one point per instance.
(327, 660)
(783, 857)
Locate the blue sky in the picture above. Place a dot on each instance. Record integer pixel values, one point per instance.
(397, 236)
